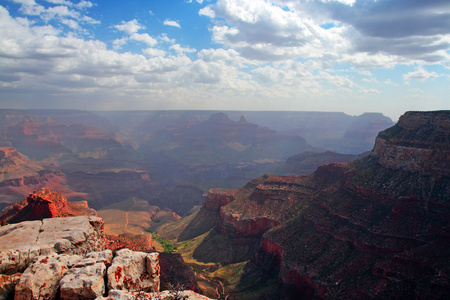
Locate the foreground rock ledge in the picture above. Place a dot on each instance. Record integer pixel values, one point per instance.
(19, 243)
(57, 263)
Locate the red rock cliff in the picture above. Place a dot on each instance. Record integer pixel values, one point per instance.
(42, 204)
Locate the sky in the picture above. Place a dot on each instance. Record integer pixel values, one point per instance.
(352, 56)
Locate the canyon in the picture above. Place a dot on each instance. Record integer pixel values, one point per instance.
(295, 233)
(373, 228)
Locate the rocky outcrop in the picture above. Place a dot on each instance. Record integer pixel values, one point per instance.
(41, 279)
(419, 142)
(262, 204)
(64, 258)
(209, 214)
(86, 280)
(19, 243)
(65, 276)
(134, 271)
(45, 203)
(218, 197)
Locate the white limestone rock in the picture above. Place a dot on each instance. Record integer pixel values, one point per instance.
(19, 243)
(15, 243)
(40, 280)
(134, 271)
(75, 235)
(86, 279)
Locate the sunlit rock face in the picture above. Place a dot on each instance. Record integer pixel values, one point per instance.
(45, 203)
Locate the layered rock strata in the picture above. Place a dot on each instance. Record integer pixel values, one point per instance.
(377, 228)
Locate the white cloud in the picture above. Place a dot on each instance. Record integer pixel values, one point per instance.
(84, 4)
(207, 11)
(60, 2)
(164, 38)
(143, 37)
(420, 74)
(180, 49)
(118, 43)
(274, 53)
(346, 2)
(152, 52)
(71, 23)
(129, 27)
(172, 23)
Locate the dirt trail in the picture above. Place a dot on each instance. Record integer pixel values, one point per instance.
(126, 213)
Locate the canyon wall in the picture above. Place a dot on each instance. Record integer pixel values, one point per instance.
(379, 229)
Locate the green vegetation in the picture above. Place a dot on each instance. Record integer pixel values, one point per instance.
(167, 245)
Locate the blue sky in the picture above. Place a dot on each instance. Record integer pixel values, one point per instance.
(309, 55)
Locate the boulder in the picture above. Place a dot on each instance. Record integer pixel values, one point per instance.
(40, 280)
(134, 271)
(86, 279)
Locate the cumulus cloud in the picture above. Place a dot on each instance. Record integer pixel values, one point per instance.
(265, 31)
(172, 23)
(143, 37)
(152, 52)
(272, 51)
(60, 10)
(61, 2)
(84, 4)
(420, 74)
(283, 29)
(179, 49)
(207, 11)
(129, 27)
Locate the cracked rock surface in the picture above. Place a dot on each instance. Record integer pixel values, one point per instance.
(19, 243)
